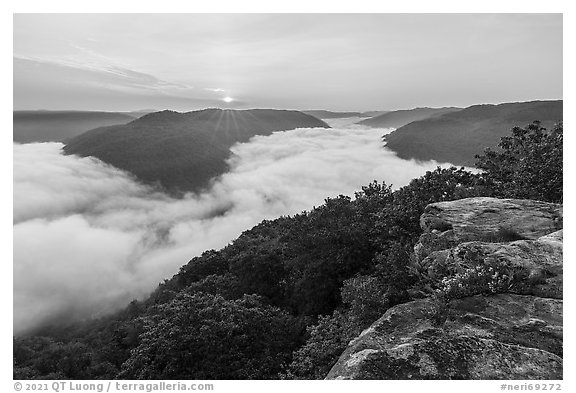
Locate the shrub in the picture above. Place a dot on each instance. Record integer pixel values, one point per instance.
(528, 164)
(481, 279)
(326, 342)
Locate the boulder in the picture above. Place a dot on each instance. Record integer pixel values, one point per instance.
(447, 224)
(554, 238)
(531, 266)
(504, 336)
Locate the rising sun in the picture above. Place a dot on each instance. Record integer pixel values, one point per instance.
(227, 99)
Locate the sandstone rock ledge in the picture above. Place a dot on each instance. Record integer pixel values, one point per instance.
(447, 224)
(501, 336)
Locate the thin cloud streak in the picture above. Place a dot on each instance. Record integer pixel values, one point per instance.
(59, 85)
(340, 62)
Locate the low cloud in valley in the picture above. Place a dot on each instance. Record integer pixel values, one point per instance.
(88, 238)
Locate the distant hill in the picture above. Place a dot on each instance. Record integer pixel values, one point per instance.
(456, 137)
(183, 151)
(322, 114)
(58, 126)
(395, 119)
(140, 113)
(373, 113)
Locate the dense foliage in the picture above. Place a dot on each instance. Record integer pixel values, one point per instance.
(205, 336)
(528, 164)
(285, 298)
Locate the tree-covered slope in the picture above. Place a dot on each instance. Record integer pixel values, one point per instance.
(395, 119)
(59, 126)
(324, 114)
(183, 151)
(456, 137)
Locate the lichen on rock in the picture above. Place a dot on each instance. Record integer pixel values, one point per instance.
(447, 224)
(493, 269)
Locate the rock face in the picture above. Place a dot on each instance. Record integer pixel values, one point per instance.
(447, 224)
(498, 337)
(494, 310)
(537, 264)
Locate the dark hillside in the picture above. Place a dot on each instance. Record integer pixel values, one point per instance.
(58, 126)
(456, 137)
(395, 119)
(183, 151)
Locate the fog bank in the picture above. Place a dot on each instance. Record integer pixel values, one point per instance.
(88, 238)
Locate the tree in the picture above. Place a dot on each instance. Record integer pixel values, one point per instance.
(44, 358)
(392, 270)
(203, 336)
(259, 269)
(365, 298)
(528, 164)
(326, 342)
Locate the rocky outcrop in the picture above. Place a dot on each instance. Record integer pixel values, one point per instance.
(447, 224)
(498, 337)
(493, 268)
(530, 266)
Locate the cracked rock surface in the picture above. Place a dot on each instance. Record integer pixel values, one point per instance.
(513, 333)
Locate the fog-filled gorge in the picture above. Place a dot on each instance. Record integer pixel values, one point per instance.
(286, 196)
(88, 238)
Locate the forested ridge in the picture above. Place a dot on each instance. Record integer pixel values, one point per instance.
(457, 136)
(284, 299)
(183, 152)
(59, 126)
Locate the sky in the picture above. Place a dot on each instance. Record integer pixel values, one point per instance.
(346, 62)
